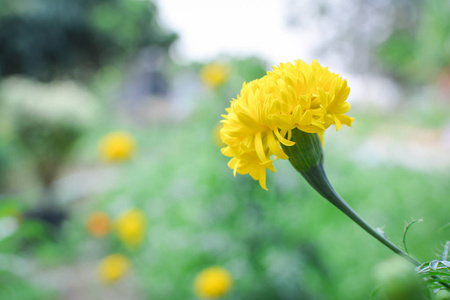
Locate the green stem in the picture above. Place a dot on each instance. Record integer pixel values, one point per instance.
(306, 156)
(317, 178)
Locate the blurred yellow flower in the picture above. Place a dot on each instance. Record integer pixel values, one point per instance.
(117, 146)
(293, 96)
(98, 224)
(214, 74)
(131, 227)
(213, 283)
(113, 267)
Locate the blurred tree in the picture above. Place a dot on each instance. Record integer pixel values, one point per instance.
(423, 52)
(355, 30)
(408, 40)
(46, 39)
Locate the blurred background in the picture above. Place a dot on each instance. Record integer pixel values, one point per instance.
(112, 184)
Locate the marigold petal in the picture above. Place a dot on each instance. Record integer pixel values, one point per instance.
(262, 179)
(342, 108)
(345, 119)
(289, 134)
(310, 129)
(337, 122)
(297, 113)
(282, 139)
(260, 148)
(248, 120)
(320, 134)
(282, 121)
(275, 147)
(306, 118)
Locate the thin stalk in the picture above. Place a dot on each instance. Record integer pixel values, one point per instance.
(317, 178)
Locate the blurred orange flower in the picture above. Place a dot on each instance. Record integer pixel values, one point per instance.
(98, 224)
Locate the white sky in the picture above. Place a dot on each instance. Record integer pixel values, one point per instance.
(208, 28)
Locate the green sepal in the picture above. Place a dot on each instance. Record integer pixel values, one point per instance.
(307, 151)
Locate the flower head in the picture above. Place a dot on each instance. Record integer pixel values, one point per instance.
(261, 119)
(214, 74)
(113, 267)
(98, 224)
(131, 227)
(213, 283)
(117, 146)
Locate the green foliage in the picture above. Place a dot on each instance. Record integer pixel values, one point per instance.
(419, 53)
(437, 272)
(249, 68)
(16, 288)
(48, 145)
(80, 35)
(397, 52)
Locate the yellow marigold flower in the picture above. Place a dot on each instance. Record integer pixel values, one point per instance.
(213, 283)
(131, 227)
(98, 224)
(113, 267)
(214, 74)
(117, 146)
(261, 119)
